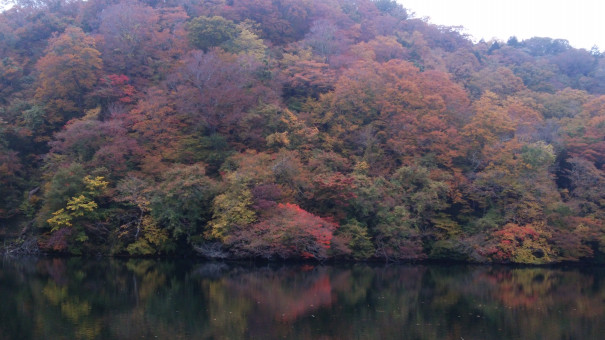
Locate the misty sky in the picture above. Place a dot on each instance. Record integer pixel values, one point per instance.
(579, 21)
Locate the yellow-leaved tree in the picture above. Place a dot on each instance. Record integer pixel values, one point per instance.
(79, 208)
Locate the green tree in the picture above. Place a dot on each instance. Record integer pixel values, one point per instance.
(207, 32)
(10, 178)
(246, 42)
(356, 239)
(182, 202)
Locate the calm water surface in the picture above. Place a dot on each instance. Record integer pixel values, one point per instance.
(145, 299)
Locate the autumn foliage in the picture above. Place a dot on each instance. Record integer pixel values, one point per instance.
(289, 233)
(287, 129)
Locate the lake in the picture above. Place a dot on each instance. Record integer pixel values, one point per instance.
(146, 299)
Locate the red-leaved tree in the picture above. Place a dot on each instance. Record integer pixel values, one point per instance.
(289, 233)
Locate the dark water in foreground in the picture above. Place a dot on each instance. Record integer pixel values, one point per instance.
(144, 299)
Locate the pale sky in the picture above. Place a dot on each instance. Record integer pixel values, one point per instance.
(581, 22)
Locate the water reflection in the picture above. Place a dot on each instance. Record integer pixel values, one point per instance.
(135, 299)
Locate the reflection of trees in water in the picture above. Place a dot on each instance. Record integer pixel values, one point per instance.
(540, 290)
(286, 293)
(212, 270)
(528, 288)
(88, 299)
(549, 303)
(528, 303)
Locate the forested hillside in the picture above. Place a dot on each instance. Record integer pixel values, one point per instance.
(294, 129)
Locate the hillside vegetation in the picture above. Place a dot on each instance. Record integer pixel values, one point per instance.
(294, 129)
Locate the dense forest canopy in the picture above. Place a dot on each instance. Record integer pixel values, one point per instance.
(294, 129)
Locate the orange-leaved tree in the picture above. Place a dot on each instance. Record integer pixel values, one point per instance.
(69, 69)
